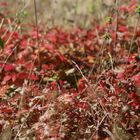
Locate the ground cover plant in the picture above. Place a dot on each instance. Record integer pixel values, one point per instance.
(81, 84)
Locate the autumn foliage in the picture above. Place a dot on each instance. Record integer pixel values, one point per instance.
(82, 84)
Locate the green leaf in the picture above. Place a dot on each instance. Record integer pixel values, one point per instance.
(22, 14)
(138, 9)
(53, 78)
(1, 43)
(107, 36)
(108, 19)
(92, 8)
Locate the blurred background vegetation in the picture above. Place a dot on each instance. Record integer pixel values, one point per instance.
(60, 12)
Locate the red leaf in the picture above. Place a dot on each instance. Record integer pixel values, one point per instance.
(9, 67)
(132, 95)
(122, 28)
(3, 91)
(6, 79)
(50, 48)
(132, 59)
(60, 57)
(83, 105)
(132, 6)
(136, 79)
(35, 34)
(123, 8)
(51, 37)
(22, 75)
(134, 104)
(6, 109)
(29, 65)
(24, 44)
(14, 77)
(121, 76)
(45, 66)
(81, 85)
(34, 77)
(3, 4)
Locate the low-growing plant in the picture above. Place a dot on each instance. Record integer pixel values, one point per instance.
(82, 84)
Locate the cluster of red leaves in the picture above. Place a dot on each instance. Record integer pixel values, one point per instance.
(70, 85)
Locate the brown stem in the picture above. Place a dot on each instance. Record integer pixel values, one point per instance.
(133, 37)
(37, 30)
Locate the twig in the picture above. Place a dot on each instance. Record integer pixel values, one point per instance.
(133, 37)
(80, 72)
(37, 30)
(8, 57)
(116, 26)
(2, 21)
(109, 133)
(25, 121)
(98, 125)
(93, 65)
(37, 40)
(14, 21)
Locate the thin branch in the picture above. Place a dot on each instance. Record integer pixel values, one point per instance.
(134, 34)
(37, 29)
(80, 72)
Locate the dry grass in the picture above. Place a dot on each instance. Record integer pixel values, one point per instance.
(60, 12)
